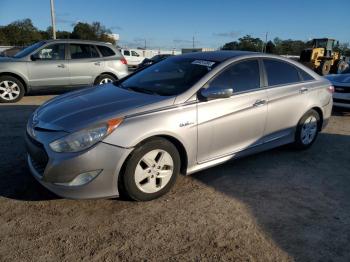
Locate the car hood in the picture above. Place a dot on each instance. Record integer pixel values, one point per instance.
(77, 110)
(7, 59)
(341, 78)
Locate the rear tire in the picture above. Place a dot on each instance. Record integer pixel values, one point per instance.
(11, 89)
(151, 170)
(307, 130)
(104, 79)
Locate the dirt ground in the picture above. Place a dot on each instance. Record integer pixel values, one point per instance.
(280, 205)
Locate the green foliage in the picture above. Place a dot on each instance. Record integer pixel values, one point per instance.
(95, 31)
(20, 33)
(246, 43)
(23, 33)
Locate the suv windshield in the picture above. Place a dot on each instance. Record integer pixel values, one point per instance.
(168, 77)
(26, 51)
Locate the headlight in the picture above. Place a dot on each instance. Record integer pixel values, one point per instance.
(84, 139)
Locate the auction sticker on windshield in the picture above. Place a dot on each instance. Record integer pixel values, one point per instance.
(203, 63)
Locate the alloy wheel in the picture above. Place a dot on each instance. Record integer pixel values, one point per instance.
(154, 171)
(309, 130)
(9, 90)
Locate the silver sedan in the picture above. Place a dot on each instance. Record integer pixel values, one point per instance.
(182, 115)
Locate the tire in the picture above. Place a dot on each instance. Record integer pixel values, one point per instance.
(145, 177)
(104, 79)
(307, 130)
(341, 66)
(325, 67)
(11, 89)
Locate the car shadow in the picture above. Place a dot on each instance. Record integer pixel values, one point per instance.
(16, 180)
(299, 198)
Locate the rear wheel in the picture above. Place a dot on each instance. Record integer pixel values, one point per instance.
(104, 79)
(307, 130)
(11, 89)
(151, 170)
(341, 66)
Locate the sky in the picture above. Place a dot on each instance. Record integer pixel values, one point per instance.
(173, 23)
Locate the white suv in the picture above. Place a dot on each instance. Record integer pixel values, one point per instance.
(132, 57)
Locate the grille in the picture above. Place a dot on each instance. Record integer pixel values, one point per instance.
(341, 89)
(38, 155)
(343, 101)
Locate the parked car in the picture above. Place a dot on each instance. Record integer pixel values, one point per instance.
(155, 59)
(341, 83)
(59, 63)
(11, 51)
(132, 57)
(183, 114)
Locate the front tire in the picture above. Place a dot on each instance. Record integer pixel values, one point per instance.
(11, 89)
(307, 130)
(151, 170)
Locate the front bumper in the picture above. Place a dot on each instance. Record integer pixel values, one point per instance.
(341, 100)
(63, 168)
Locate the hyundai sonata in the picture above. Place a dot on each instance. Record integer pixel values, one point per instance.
(181, 115)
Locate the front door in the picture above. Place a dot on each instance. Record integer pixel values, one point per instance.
(229, 125)
(48, 67)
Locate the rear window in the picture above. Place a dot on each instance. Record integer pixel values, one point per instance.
(79, 51)
(280, 73)
(105, 51)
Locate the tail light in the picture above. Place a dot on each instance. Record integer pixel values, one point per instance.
(123, 60)
(330, 89)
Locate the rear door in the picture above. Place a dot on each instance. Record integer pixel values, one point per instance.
(287, 98)
(85, 64)
(229, 125)
(49, 67)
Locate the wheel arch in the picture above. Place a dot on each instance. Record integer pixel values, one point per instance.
(320, 113)
(21, 79)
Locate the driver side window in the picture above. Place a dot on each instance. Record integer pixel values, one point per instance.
(51, 52)
(241, 77)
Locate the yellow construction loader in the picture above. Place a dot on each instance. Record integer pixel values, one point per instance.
(322, 58)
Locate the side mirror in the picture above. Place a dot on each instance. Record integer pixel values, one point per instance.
(215, 93)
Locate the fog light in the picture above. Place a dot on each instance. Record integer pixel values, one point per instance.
(82, 179)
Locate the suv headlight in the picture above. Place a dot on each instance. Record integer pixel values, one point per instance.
(85, 138)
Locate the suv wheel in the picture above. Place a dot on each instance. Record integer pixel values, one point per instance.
(307, 130)
(151, 170)
(11, 89)
(104, 79)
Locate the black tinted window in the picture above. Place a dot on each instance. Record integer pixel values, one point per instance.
(126, 52)
(78, 51)
(106, 51)
(280, 73)
(305, 76)
(241, 77)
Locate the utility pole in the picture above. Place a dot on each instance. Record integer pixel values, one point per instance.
(263, 48)
(53, 19)
(193, 41)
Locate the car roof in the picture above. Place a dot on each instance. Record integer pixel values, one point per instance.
(77, 41)
(217, 56)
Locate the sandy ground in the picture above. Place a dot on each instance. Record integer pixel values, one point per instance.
(279, 205)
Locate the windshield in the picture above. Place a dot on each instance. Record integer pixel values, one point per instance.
(26, 51)
(168, 77)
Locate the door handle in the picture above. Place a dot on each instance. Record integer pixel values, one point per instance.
(61, 66)
(97, 63)
(303, 90)
(259, 102)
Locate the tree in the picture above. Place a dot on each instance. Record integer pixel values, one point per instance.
(246, 43)
(21, 33)
(270, 47)
(95, 31)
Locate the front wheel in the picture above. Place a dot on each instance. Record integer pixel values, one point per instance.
(307, 130)
(151, 170)
(11, 89)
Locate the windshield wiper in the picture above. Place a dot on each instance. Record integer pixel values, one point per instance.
(140, 90)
